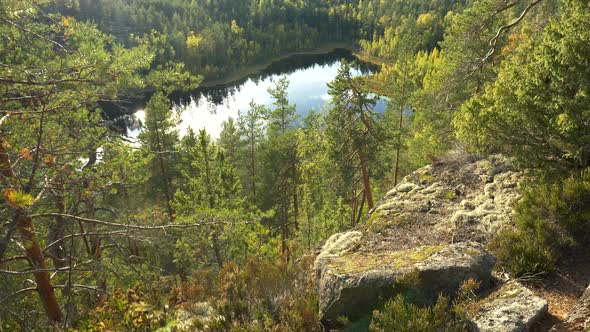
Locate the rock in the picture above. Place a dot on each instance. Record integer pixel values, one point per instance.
(198, 317)
(510, 308)
(352, 284)
(406, 187)
(579, 318)
(432, 224)
(462, 199)
(337, 245)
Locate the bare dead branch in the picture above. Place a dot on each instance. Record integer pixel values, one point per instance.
(125, 232)
(494, 41)
(33, 289)
(136, 227)
(21, 291)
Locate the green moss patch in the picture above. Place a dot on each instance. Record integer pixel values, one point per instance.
(359, 262)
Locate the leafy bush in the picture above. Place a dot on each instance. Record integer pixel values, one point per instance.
(263, 295)
(129, 311)
(550, 218)
(522, 253)
(399, 314)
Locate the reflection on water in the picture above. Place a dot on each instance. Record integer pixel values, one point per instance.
(308, 74)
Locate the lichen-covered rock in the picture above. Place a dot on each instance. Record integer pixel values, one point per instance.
(579, 318)
(432, 223)
(352, 284)
(511, 308)
(337, 245)
(463, 198)
(198, 317)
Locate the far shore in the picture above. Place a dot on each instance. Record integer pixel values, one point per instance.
(252, 69)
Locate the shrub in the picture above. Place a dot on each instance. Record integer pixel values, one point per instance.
(267, 295)
(550, 218)
(399, 314)
(522, 253)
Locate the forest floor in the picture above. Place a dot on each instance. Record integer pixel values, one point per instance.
(245, 71)
(563, 287)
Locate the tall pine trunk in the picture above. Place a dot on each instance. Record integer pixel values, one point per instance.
(366, 180)
(24, 226)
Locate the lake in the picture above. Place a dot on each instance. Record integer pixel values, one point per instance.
(209, 107)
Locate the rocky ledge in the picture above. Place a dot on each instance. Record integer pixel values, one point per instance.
(431, 230)
(510, 308)
(352, 284)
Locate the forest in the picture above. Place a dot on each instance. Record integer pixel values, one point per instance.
(101, 233)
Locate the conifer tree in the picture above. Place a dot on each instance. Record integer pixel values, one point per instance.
(160, 139)
(353, 129)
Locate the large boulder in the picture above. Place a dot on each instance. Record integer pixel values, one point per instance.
(463, 198)
(432, 225)
(511, 308)
(352, 284)
(579, 318)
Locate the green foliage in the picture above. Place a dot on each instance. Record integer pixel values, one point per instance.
(537, 109)
(353, 129)
(397, 315)
(214, 38)
(323, 210)
(550, 218)
(400, 314)
(266, 295)
(131, 310)
(252, 132)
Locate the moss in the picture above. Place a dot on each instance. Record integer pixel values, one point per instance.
(361, 262)
(426, 179)
(375, 216)
(472, 252)
(450, 195)
(505, 292)
(378, 223)
(339, 243)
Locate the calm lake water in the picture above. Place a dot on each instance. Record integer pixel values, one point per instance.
(308, 75)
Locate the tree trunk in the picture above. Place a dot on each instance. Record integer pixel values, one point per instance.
(295, 196)
(167, 191)
(253, 169)
(57, 230)
(358, 218)
(399, 142)
(217, 249)
(366, 181)
(401, 126)
(24, 226)
(95, 248)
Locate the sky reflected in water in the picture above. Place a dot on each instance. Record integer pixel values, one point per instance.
(209, 107)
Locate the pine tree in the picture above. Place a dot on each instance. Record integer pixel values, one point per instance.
(160, 140)
(537, 110)
(251, 129)
(353, 130)
(280, 161)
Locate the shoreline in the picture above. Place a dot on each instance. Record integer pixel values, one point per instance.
(253, 69)
(369, 59)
